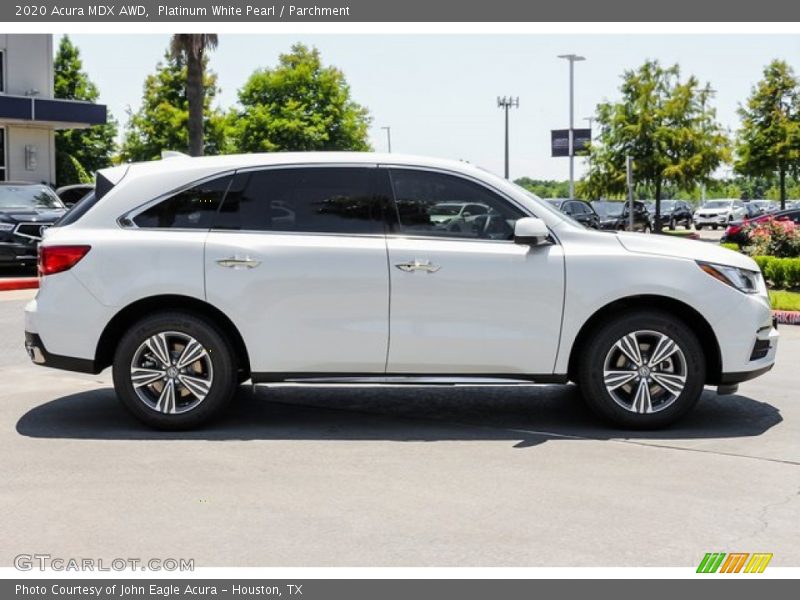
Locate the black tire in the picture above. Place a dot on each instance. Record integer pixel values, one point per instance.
(698, 227)
(714, 227)
(219, 355)
(600, 345)
(672, 224)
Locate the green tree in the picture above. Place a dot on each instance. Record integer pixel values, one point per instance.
(79, 152)
(298, 105)
(665, 124)
(190, 49)
(768, 142)
(545, 188)
(161, 123)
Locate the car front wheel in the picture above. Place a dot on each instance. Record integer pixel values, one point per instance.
(645, 370)
(174, 370)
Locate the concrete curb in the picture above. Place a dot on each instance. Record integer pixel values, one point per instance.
(19, 283)
(787, 317)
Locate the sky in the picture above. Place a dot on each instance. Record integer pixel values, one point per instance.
(438, 92)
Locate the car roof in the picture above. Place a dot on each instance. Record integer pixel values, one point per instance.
(243, 161)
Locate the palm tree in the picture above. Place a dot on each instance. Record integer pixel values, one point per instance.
(191, 48)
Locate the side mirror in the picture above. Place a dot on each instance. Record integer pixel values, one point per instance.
(531, 230)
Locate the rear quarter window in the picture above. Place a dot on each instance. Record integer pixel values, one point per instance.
(192, 208)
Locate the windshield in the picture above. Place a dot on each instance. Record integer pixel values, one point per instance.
(445, 209)
(717, 204)
(608, 209)
(28, 196)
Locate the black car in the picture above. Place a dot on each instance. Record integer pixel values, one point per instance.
(71, 194)
(673, 213)
(26, 210)
(615, 215)
(579, 210)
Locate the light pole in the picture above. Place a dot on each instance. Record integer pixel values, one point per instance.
(505, 104)
(572, 58)
(388, 137)
(703, 98)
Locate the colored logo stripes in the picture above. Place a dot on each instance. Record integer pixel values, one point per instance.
(734, 562)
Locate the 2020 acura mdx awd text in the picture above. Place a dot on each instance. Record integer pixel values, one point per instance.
(190, 276)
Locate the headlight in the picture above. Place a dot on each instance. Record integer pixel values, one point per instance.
(749, 282)
(7, 226)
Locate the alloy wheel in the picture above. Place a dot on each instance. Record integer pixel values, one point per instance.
(171, 372)
(645, 372)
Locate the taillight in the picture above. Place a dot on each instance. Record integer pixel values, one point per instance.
(55, 259)
(733, 229)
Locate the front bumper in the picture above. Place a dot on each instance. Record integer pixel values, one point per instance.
(12, 253)
(40, 356)
(705, 220)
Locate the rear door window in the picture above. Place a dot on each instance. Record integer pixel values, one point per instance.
(337, 200)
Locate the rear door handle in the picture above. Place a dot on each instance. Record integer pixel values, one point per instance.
(418, 265)
(236, 262)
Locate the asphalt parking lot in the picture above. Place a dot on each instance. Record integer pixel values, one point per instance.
(338, 476)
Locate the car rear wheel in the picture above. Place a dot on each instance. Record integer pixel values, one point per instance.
(645, 370)
(672, 224)
(175, 370)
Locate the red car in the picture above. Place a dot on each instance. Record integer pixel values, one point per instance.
(736, 230)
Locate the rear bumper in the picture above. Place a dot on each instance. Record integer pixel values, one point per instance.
(40, 356)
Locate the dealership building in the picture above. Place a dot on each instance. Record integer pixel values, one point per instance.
(29, 115)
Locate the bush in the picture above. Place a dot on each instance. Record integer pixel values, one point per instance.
(774, 238)
(730, 246)
(780, 272)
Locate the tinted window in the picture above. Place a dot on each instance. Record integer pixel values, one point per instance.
(419, 194)
(194, 208)
(579, 208)
(310, 200)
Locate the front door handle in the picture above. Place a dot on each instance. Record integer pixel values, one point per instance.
(418, 265)
(236, 262)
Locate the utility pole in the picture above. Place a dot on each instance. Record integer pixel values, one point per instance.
(703, 98)
(388, 137)
(629, 182)
(572, 58)
(505, 104)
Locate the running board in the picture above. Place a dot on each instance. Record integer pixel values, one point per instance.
(329, 379)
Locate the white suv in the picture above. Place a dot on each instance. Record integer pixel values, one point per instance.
(190, 276)
(718, 213)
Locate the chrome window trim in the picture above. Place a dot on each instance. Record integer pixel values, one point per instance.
(136, 211)
(132, 213)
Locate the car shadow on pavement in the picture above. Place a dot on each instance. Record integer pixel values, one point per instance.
(526, 416)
